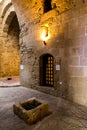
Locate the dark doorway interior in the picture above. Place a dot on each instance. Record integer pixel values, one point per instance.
(47, 70)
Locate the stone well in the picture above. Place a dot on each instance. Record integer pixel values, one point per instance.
(31, 110)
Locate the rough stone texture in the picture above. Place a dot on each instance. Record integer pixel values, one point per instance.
(67, 31)
(32, 110)
(67, 43)
(65, 115)
(9, 43)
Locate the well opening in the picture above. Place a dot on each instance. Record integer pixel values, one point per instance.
(31, 110)
(31, 105)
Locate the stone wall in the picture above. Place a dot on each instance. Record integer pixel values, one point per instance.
(67, 29)
(9, 47)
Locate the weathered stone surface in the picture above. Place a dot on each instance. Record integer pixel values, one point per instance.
(9, 42)
(31, 110)
(65, 115)
(67, 43)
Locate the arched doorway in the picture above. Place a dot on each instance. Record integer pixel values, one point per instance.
(47, 70)
(10, 56)
(14, 48)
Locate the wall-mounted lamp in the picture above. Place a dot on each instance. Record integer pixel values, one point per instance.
(45, 34)
(44, 43)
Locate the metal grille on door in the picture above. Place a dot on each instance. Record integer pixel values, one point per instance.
(47, 70)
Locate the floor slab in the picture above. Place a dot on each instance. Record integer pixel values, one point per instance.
(6, 82)
(65, 115)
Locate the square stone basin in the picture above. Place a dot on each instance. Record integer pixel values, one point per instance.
(31, 110)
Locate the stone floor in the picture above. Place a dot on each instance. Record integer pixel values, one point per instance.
(65, 115)
(4, 82)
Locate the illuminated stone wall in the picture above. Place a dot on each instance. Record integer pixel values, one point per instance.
(67, 27)
(9, 45)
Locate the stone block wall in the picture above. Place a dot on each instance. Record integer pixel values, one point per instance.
(67, 29)
(9, 47)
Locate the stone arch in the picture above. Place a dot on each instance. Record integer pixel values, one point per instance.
(46, 69)
(6, 7)
(13, 47)
(11, 54)
(8, 18)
